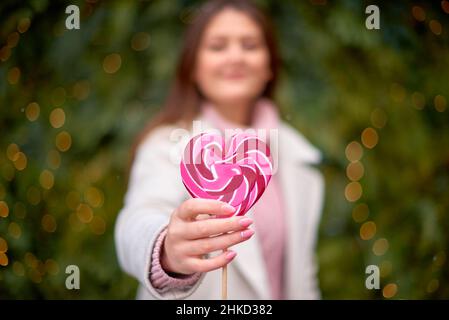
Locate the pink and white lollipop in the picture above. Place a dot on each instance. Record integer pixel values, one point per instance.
(236, 173)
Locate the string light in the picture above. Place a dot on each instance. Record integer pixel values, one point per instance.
(380, 247)
(48, 223)
(23, 25)
(390, 290)
(4, 209)
(46, 179)
(63, 141)
(13, 76)
(439, 103)
(369, 138)
(435, 27)
(94, 197)
(418, 13)
(57, 118)
(14, 230)
(84, 213)
(354, 151)
(368, 230)
(353, 191)
(112, 63)
(32, 111)
(98, 225)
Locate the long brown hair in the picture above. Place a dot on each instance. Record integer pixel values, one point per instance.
(183, 101)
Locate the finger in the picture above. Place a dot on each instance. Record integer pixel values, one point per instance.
(206, 228)
(213, 263)
(208, 245)
(191, 208)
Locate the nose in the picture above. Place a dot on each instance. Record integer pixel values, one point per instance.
(235, 53)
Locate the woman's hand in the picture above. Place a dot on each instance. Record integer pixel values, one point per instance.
(189, 239)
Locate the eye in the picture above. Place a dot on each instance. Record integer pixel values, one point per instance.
(217, 45)
(250, 44)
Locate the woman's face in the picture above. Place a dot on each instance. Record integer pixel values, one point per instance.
(233, 62)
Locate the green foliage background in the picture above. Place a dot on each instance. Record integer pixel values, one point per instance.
(338, 79)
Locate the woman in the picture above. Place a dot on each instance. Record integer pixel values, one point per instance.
(172, 244)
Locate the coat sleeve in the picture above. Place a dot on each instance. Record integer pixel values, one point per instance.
(311, 285)
(154, 191)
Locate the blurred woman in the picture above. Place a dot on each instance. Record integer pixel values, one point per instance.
(173, 244)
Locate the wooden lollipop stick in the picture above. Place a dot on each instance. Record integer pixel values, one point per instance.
(224, 282)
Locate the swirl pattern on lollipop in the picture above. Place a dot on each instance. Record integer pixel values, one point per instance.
(236, 173)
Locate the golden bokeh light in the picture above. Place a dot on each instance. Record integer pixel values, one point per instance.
(112, 63)
(23, 25)
(367, 230)
(13, 75)
(353, 191)
(3, 259)
(5, 53)
(355, 171)
(32, 111)
(31, 260)
(380, 246)
(63, 141)
(57, 118)
(140, 41)
(435, 27)
(48, 223)
(440, 103)
(46, 179)
(390, 290)
(370, 138)
(445, 6)
(4, 209)
(84, 213)
(51, 266)
(98, 225)
(14, 230)
(12, 152)
(94, 197)
(21, 161)
(354, 151)
(418, 13)
(3, 245)
(13, 39)
(360, 212)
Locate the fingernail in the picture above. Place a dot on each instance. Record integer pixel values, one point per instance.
(228, 208)
(230, 255)
(247, 233)
(245, 222)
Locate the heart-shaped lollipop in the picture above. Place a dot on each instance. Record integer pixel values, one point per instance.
(236, 173)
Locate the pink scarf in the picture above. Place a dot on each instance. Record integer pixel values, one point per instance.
(268, 211)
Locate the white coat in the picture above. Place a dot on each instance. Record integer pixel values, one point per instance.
(155, 189)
